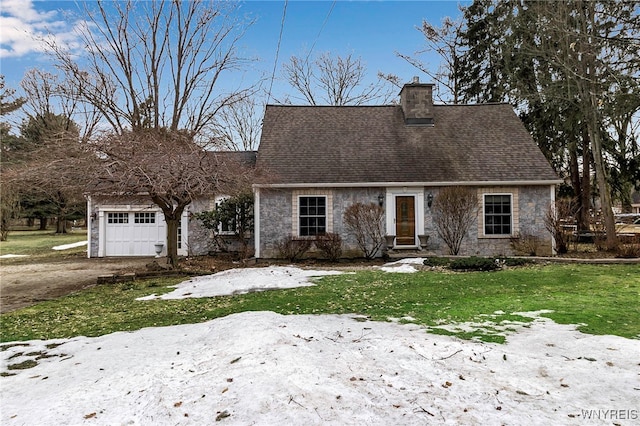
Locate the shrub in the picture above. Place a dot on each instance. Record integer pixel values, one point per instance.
(600, 240)
(436, 261)
(555, 219)
(292, 249)
(630, 247)
(455, 210)
(330, 245)
(525, 243)
(364, 221)
(474, 264)
(511, 261)
(234, 214)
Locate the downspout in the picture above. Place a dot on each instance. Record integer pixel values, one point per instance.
(552, 190)
(89, 225)
(256, 221)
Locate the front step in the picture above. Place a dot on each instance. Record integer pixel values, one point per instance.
(407, 253)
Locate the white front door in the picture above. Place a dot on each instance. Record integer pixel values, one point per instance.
(405, 215)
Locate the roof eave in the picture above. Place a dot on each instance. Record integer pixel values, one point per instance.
(412, 184)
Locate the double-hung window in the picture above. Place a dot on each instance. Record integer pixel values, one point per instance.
(498, 214)
(312, 215)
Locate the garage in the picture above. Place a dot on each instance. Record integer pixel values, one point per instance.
(133, 233)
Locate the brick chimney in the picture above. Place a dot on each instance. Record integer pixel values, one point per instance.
(416, 100)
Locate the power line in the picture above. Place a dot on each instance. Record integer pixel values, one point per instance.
(320, 32)
(275, 63)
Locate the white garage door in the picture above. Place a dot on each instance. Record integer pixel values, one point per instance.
(134, 233)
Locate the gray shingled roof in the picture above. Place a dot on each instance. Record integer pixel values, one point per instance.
(356, 144)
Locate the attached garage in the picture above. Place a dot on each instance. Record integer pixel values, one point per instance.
(133, 230)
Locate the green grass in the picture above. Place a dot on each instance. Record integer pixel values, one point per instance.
(38, 244)
(602, 298)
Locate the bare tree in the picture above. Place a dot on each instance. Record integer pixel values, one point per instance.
(455, 210)
(335, 80)
(155, 64)
(153, 71)
(445, 41)
(238, 126)
(47, 95)
(364, 221)
(7, 104)
(168, 167)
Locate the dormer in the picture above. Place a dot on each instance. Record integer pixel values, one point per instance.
(416, 100)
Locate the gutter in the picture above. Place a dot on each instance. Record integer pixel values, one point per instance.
(413, 184)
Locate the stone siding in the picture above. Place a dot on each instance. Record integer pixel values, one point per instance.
(276, 221)
(529, 207)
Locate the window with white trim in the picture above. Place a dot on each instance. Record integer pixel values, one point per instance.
(312, 215)
(498, 214)
(229, 227)
(117, 217)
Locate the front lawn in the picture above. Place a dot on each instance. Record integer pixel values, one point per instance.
(603, 299)
(39, 244)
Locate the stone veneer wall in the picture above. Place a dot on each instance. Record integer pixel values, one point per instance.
(530, 204)
(199, 238)
(276, 210)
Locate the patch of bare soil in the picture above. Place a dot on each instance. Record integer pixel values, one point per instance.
(26, 283)
(23, 284)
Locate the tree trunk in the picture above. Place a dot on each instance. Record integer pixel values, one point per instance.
(61, 225)
(172, 240)
(585, 191)
(172, 217)
(601, 178)
(591, 89)
(4, 230)
(43, 224)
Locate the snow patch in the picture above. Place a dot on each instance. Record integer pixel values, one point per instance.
(266, 368)
(70, 246)
(239, 281)
(405, 266)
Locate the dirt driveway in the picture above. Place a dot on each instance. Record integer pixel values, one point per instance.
(24, 284)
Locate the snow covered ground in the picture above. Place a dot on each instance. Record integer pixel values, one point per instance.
(267, 369)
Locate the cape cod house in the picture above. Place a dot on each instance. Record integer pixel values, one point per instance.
(322, 159)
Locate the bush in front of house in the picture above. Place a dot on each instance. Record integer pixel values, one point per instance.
(555, 220)
(364, 221)
(455, 210)
(525, 244)
(474, 264)
(515, 261)
(437, 261)
(293, 249)
(330, 244)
